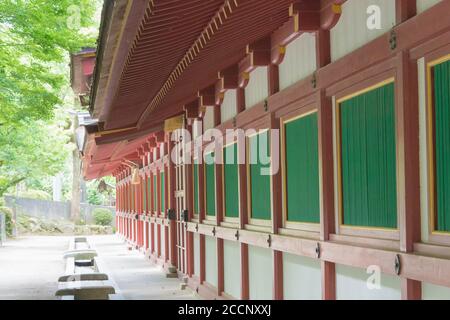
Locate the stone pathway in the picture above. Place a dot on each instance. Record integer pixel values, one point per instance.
(135, 276)
(30, 267)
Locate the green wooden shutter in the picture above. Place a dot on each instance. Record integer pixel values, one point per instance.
(155, 193)
(259, 183)
(231, 181)
(368, 167)
(196, 203)
(210, 186)
(442, 149)
(162, 193)
(302, 169)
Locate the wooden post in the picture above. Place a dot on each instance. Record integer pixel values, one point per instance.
(327, 225)
(172, 204)
(408, 176)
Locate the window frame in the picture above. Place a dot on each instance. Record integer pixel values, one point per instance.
(434, 235)
(209, 219)
(256, 224)
(341, 228)
(286, 224)
(230, 220)
(196, 216)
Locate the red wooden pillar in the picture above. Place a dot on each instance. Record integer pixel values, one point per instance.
(190, 204)
(408, 176)
(276, 196)
(172, 204)
(243, 217)
(327, 225)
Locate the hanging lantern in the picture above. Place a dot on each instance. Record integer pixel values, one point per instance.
(135, 176)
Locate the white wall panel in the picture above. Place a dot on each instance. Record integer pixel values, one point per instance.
(260, 273)
(351, 32)
(232, 270)
(423, 5)
(211, 260)
(258, 88)
(434, 292)
(299, 60)
(351, 284)
(208, 121)
(228, 108)
(301, 278)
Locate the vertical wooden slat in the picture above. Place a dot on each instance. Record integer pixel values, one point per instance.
(408, 176)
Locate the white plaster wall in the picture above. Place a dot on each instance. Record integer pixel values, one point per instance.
(423, 161)
(299, 60)
(197, 254)
(228, 108)
(301, 278)
(423, 5)
(258, 87)
(208, 120)
(434, 292)
(351, 32)
(351, 284)
(260, 273)
(211, 261)
(232, 270)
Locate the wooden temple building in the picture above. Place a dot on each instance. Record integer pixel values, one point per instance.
(353, 98)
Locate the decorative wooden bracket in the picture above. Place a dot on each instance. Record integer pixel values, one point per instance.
(258, 55)
(305, 16)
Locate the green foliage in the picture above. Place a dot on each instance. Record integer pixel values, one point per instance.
(35, 194)
(8, 219)
(102, 217)
(94, 197)
(36, 37)
(35, 150)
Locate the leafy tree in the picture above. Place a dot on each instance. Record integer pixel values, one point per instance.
(34, 150)
(36, 37)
